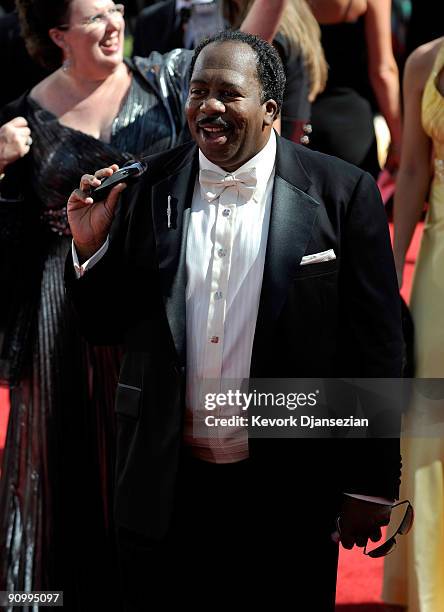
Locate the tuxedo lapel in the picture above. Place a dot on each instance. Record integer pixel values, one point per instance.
(171, 213)
(293, 215)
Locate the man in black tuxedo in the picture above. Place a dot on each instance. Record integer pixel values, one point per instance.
(243, 255)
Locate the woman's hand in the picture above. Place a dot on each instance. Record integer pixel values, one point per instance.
(90, 221)
(15, 141)
(393, 158)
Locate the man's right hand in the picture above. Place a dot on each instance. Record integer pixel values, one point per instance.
(90, 221)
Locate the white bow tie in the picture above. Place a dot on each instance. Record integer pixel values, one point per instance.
(213, 184)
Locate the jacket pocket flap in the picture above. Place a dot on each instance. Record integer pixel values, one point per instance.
(317, 269)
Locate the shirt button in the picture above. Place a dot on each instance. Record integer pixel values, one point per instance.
(218, 295)
(214, 339)
(222, 252)
(226, 212)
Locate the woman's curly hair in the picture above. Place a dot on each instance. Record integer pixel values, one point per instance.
(37, 17)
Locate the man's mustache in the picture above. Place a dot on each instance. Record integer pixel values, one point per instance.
(213, 121)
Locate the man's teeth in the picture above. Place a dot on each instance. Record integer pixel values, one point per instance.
(214, 129)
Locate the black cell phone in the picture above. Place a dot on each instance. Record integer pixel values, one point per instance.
(130, 171)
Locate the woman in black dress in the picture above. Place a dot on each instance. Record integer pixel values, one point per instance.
(362, 79)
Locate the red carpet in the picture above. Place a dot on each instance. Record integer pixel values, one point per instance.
(359, 578)
(360, 583)
(410, 261)
(375, 607)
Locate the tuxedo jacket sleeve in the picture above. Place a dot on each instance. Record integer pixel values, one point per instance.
(122, 294)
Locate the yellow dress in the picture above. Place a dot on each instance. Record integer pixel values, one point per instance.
(414, 572)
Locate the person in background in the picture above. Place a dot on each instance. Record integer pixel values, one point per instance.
(414, 573)
(160, 27)
(94, 108)
(19, 71)
(363, 78)
(298, 44)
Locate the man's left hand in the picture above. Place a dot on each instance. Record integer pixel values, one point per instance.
(361, 520)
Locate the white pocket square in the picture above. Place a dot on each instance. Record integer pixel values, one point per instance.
(318, 257)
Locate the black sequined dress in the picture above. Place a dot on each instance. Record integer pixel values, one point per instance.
(55, 508)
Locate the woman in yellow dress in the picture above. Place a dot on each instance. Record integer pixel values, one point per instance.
(414, 572)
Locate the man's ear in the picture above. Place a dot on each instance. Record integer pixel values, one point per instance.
(58, 38)
(271, 112)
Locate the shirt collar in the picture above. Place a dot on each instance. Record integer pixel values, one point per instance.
(263, 161)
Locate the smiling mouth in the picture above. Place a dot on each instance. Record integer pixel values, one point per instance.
(214, 134)
(110, 45)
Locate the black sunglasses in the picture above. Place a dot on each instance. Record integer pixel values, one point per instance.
(404, 527)
(389, 545)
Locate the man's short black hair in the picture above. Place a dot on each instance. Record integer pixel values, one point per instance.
(270, 70)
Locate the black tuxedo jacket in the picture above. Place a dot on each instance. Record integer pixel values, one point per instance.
(338, 318)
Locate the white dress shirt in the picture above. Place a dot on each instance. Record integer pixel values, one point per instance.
(225, 255)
